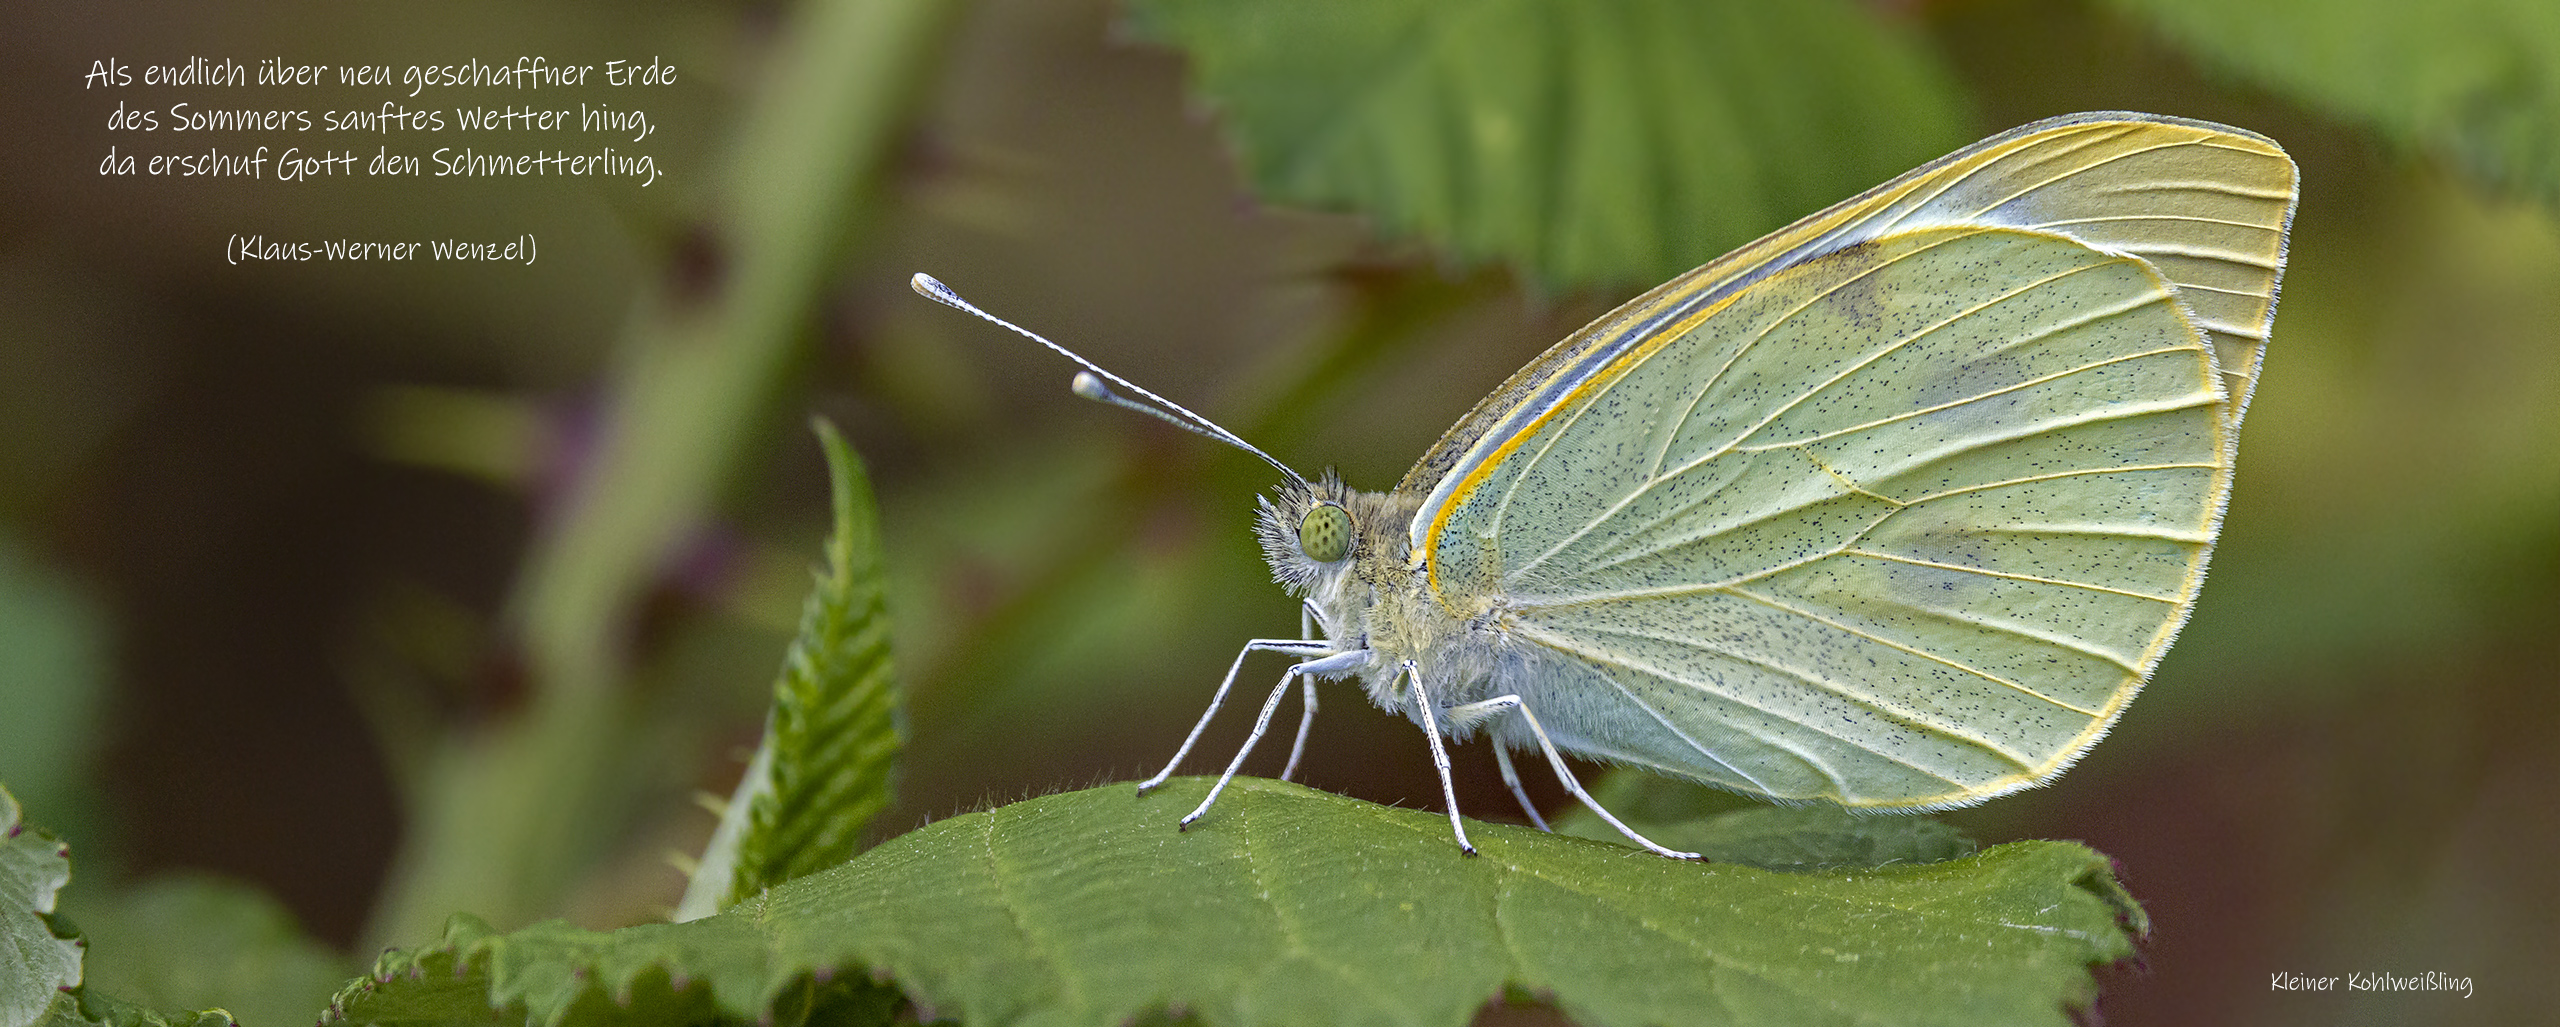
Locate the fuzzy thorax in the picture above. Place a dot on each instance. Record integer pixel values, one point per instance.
(1374, 597)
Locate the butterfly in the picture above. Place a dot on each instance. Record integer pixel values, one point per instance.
(1896, 508)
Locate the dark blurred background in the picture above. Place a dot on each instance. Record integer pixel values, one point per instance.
(278, 541)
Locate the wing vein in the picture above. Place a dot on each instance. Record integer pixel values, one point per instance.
(1839, 783)
(1773, 325)
(2059, 147)
(2226, 256)
(2223, 188)
(2011, 575)
(1923, 654)
(2083, 169)
(2195, 218)
(2110, 412)
(2077, 170)
(1977, 308)
(1673, 432)
(2110, 530)
(1890, 711)
(2059, 475)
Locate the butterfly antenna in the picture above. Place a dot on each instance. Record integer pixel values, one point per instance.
(1089, 383)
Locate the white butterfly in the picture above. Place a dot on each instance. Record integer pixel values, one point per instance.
(1895, 508)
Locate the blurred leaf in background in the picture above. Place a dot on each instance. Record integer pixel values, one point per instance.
(53, 690)
(195, 942)
(2473, 81)
(1618, 142)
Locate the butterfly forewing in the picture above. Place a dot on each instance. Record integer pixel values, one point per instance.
(2207, 205)
(1906, 517)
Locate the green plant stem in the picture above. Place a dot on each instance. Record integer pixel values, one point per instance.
(508, 815)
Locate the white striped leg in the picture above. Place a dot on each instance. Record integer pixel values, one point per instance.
(1306, 723)
(1439, 754)
(1511, 780)
(1302, 647)
(1306, 719)
(1331, 664)
(1556, 759)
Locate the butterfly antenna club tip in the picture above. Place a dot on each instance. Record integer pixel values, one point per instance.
(930, 288)
(1089, 382)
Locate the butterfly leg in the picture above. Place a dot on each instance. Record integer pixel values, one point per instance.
(1306, 719)
(1439, 754)
(1511, 780)
(1556, 759)
(1306, 723)
(1301, 647)
(1330, 664)
(1463, 717)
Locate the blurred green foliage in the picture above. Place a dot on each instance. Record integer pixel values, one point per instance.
(2474, 81)
(53, 675)
(2348, 763)
(191, 942)
(1612, 143)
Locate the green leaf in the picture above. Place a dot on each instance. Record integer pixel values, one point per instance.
(1291, 906)
(40, 955)
(192, 942)
(1727, 828)
(88, 1008)
(2477, 81)
(1585, 141)
(555, 974)
(34, 964)
(823, 769)
(1811, 837)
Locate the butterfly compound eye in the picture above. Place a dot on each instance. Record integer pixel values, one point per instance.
(1325, 534)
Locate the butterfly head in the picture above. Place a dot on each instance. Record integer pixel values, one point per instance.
(1311, 532)
(1320, 536)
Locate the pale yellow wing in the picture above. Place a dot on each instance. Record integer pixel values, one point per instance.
(1898, 507)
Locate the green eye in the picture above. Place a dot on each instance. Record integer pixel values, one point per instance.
(1325, 535)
